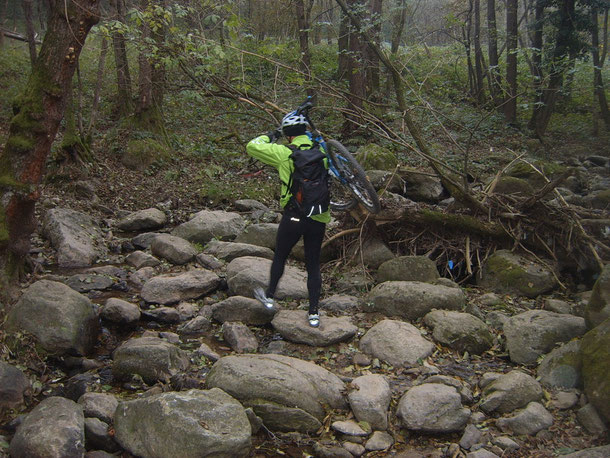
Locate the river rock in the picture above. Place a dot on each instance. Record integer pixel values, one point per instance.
(139, 259)
(248, 272)
(598, 307)
(54, 428)
(289, 394)
(210, 423)
(460, 331)
(432, 408)
(84, 283)
(261, 234)
(422, 187)
(509, 392)
(78, 240)
(98, 436)
(595, 353)
(396, 342)
(590, 419)
(369, 399)
(379, 440)
(340, 304)
(293, 326)
(595, 452)
(534, 333)
(99, 405)
(508, 273)
(247, 310)
(151, 358)
(239, 337)
(13, 386)
(228, 251)
(121, 312)
(408, 268)
(62, 320)
(532, 419)
(171, 288)
(207, 225)
(174, 249)
(143, 220)
(561, 368)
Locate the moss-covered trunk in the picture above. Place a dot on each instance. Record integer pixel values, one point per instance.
(37, 114)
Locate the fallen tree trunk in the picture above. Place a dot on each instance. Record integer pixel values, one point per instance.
(16, 36)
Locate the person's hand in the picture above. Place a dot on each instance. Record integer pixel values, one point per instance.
(274, 135)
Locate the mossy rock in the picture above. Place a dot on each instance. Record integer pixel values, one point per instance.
(141, 153)
(508, 273)
(598, 307)
(375, 157)
(526, 172)
(595, 351)
(513, 185)
(408, 268)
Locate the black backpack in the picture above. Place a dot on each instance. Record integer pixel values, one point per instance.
(309, 183)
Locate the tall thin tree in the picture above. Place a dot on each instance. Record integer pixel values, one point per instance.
(492, 51)
(29, 28)
(598, 63)
(512, 30)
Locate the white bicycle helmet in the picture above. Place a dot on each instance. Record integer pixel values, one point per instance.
(293, 119)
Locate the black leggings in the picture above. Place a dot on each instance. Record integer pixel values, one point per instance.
(292, 227)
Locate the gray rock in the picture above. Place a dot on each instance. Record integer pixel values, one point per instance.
(481, 453)
(380, 440)
(97, 435)
(396, 342)
(534, 333)
(412, 300)
(532, 419)
(340, 304)
(171, 288)
(239, 308)
(120, 312)
(207, 225)
(187, 310)
(143, 220)
(261, 234)
(162, 315)
(248, 272)
(78, 240)
(140, 259)
(239, 337)
(206, 351)
(13, 386)
(506, 272)
(84, 283)
(369, 399)
(141, 276)
(293, 326)
(490, 299)
(561, 368)
(248, 205)
(354, 449)
(384, 179)
(228, 251)
(459, 331)
(348, 427)
(421, 187)
(598, 307)
(144, 240)
(375, 252)
(198, 326)
(590, 419)
(62, 320)
(151, 358)
(323, 450)
(595, 452)
(496, 319)
(509, 392)
(432, 408)
(565, 400)
(558, 306)
(505, 443)
(408, 268)
(287, 393)
(462, 388)
(174, 249)
(208, 262)
(210, 422)
(472, 436)
(594, 352)
(489, 377)
(54, 428)
(99, 405)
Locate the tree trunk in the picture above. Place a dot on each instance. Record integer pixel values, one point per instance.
(478, 54)
(398, 22)
(98, 89)
(537, 43)
(29, 29)
(598, 83)
(124, 93)
(3, 8)
(512, 26)
(343, 47)
(467, 41)
(37, 114)
(356, 74)
(303, 26)
(492, 49)
(565, 31)
(376, 7)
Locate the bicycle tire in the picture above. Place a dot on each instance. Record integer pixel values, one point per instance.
(341, 197)
(353, 173)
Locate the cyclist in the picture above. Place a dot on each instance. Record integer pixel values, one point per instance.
(294, 224)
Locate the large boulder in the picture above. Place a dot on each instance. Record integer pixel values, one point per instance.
(78, 240)
(534, 333)
(460, 331)
(248, 272)
(143, 220)
(289, 394)
(244, 309)
(173, 249)
(261, 234)
(369, 398)
(171, 288)
(62, 320)
(13, 386)
(293, 326)
(595, 352)
(532, 419)
(433, 408)
(207, 225)
(231, 250)
(55, 428)
(562, 367)
(408, 268)
(397, 343)
(510, 392)
(194, 423)
(506, 272)
(374, 252)
(422, 187)
(412, 299)
(598, 308)
(375, 157)
(151, 358)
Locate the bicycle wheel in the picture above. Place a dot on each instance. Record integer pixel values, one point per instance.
(354, 176)
(341, 198)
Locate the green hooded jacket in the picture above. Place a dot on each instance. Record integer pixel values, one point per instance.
(278, 156)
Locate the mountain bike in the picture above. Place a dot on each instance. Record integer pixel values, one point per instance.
(350, 183)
